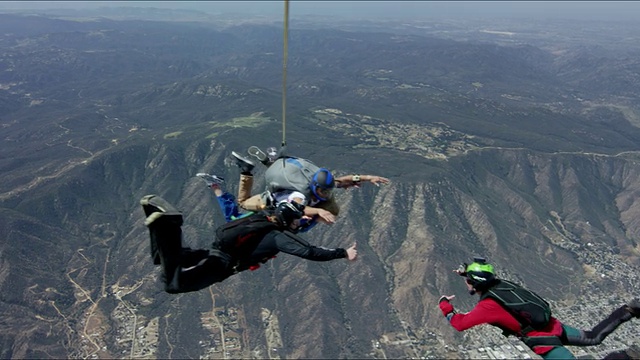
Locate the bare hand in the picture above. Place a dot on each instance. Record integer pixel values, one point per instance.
(448, 297)
(377, 180)
(352, 253)
(326, 216)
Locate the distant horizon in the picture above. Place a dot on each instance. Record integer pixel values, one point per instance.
(362, 10)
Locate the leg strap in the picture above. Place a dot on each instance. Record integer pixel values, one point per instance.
(542, 341)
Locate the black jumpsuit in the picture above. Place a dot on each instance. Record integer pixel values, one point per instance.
(188, 269)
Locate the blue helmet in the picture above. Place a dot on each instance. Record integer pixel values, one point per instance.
(322, 179)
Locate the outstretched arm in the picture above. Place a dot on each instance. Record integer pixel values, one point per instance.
(310, 211)
(348, 181)
(487, 311)
(324, 215)
(294, 245)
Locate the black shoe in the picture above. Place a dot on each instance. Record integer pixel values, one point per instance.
(156, 207)
(243, 163)
(634, 308)
(158, 211)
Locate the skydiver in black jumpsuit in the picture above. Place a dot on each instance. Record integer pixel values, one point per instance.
(238, 246)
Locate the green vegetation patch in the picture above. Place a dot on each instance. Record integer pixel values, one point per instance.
(253, 120)
(212, 135)
(173, 135)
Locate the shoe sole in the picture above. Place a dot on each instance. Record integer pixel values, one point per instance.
(257, 153)
(152, 203)
(175, 218)
(242, 158)
(209, 178)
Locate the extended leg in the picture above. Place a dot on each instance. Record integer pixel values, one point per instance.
(595, 336)
(244, 188)
(246, 179)
(184, 269)
(165, 234)
(227, 202)
(213, 267)
(154, 207)
(245, 200)
(228, 206)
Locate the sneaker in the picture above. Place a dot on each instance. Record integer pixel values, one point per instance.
(259, 154)
(156, 208)
(634, 308)
(210, 179)
(243, 163)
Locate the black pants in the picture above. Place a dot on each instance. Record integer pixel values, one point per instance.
(185, 269)
(595, 336)
(576, 337)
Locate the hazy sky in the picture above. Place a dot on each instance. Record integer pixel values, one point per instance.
(588, 10)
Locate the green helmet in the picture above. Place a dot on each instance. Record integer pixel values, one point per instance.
(480, 274)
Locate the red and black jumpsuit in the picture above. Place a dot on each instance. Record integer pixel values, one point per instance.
(489, 311)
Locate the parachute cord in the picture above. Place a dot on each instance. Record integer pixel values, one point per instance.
(284, 70)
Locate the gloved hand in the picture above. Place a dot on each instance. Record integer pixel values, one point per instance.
(445, 305)
(446, 298)
(462, 270)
